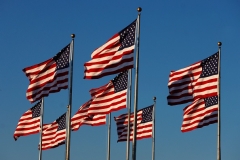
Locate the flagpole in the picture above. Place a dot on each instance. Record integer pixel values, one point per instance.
(134, 142)
(70, 101)
(219, 103)
(109, 136)
(41, 129)
(153, 129)
(129, 110)
(66, 130)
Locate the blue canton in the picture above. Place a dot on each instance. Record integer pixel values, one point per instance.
(36, 109)
(61, 121)
(210, 66)
(62, 58)
(147, 114)
(127, 36)
(120, 81)
(210, 101)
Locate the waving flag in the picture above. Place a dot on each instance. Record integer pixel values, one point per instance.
(198, 80)
(49, 76)
(115, 56)
(82, 118)
(144, 124)
(202, 112)
(29, 123)
(110, 97)
(54, 134)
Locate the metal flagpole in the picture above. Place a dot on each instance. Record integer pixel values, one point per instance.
(109, 136)
(70, 101)
(134, 142)
(153, 129)
(66, 130)
(129, 110)
(219, 103)
(41, 129)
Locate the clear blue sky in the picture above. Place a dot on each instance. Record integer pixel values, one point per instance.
(174, 34)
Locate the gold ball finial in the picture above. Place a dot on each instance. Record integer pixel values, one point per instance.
(139, 9)
(219, 44)
(73, 35)
(154, 98)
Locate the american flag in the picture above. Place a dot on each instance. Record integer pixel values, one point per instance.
(110, 97)
(29, 123)
(115, 56)
(144, 124)
(202, 112)
(49, 76)
(198, 80)
(82, 118)
(55, 134)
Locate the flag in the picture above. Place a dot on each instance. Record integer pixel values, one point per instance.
(202, 112)
(144, 124)
(29, 123)
(115, 56)
(55, 134)
(198, 80)
(49, 76)
(110, 97)
(82, 118)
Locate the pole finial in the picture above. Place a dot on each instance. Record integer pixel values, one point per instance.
(73, 35)
(154, 98)
(219, 44)
(139, 9)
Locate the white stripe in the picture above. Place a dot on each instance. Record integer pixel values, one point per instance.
(196, 87)
(198, 113)
(100, 111)
(61, 136)
(39, 82)
(35, 68)
(60, 85)
(27, 131)
(29, 125)
(110, 62)
(140, 128)
(110, 57)
(112, 96)
(107, 70)
(186, 71)
(98, 50)
(201, 123)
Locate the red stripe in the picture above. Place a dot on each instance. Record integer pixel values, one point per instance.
(188, 76)
(35, 67)
(108, 66)
(179, 85)
(38, 73)
(174, 73)
(200, 126)
(111, 56)
(109, 72)
(49, 89)
(115, 44)
(82, 118)
(122, 127)
(55, 137)
(23, 128)
(38, 86)
(114, 36)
